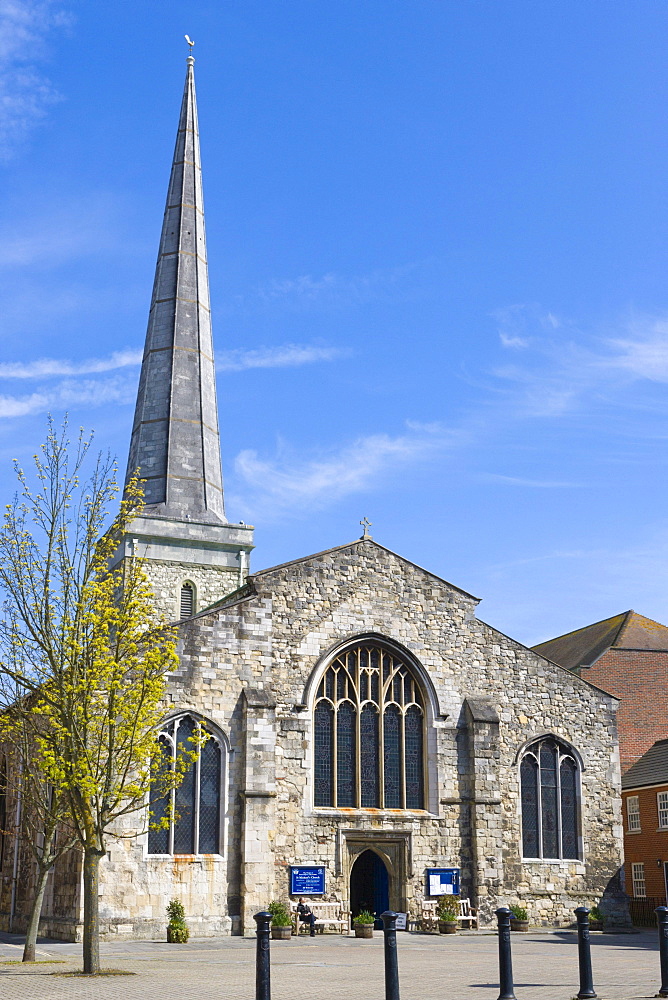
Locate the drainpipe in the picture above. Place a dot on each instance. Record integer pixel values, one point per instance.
(17, 838)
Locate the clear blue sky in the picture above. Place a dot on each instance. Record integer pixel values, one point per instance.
(438, 235)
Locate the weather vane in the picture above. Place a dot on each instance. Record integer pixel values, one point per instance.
(366, 524)
(190, 43)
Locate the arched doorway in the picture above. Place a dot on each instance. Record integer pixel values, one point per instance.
(369, 886)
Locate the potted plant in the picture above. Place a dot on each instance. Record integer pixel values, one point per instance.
(177, 928)
(281, 922)
(447, 913)
(363, 924)
(519, 918)
(596, 919)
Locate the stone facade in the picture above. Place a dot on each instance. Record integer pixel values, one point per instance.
(250, 667)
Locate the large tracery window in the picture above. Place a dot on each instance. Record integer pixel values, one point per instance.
(550, 808)
(369, 732)
(195, 806)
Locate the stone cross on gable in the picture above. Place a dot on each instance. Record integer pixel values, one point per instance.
(366, 524)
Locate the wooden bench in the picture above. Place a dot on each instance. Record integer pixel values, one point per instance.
(326, 915)
(468, 916)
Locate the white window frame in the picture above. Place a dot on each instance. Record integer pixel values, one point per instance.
(662, 809)
(170, 732)
(633, 814)
(638, 879)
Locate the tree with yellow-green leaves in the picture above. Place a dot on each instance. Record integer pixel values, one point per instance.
(85, 650)
(41, 812)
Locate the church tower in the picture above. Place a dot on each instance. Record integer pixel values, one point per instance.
(194, 556)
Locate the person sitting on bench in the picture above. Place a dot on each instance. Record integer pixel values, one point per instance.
(306, 915)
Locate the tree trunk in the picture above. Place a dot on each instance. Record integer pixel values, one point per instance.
(91, 922)
(35, 914)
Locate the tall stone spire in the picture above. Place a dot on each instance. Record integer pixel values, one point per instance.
(193, 555)
(175, 440)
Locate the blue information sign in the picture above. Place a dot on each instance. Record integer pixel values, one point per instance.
(442, 882)
(307, 880)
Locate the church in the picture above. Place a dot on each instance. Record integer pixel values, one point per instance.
(373, 741)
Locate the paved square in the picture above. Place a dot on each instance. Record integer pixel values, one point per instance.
(330, 967)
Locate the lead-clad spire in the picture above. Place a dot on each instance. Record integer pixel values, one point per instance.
(175, 440)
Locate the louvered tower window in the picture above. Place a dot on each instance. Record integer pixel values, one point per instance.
(368, 732)
(189, 817)
(187, 600)
(549, 778)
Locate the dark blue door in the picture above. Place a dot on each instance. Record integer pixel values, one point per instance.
(369, 886)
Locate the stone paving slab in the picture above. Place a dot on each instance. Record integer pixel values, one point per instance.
(331, 967)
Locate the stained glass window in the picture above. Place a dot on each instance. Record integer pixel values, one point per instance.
(530, 828)
(345, 755)
(209, 798)
(158, 839)
(369, 762)
(323, 728)
(550, 808)
(413, 724)
(392, 762)
(569, 809)
(369, 732)
(548, 799)
(194, 808)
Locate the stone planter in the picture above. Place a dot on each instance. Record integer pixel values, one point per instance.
(447, 926)
(519, 925)
(364, 930)
(595, 925)
(281, 933)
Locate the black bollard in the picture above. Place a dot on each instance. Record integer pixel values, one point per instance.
(584, 955)
(389, 919)
(662, 917)
(506, 988)
(262, 968)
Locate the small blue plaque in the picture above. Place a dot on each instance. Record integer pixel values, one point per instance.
(307, 880)
(442, 882)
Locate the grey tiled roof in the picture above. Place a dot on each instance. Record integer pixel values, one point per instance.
(651, 769)
(584, 646)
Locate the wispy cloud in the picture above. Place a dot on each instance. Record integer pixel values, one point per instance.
(48, 367)
(564, 368)
(286, 483)
(518, 324)
(335, 288)
(69, 395)
(643, 354)
(282, 356)
(25, 93)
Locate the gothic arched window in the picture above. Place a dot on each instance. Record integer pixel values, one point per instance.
(369, 732)
(3, 809)
(550, 807)
(193, 810)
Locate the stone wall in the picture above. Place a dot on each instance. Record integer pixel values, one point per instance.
(210, 582)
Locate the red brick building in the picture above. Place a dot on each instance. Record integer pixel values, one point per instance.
(645, 810)
(626, 655)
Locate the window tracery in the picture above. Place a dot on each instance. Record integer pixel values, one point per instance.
(369, 732)
(193, 810)
(549, 779)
